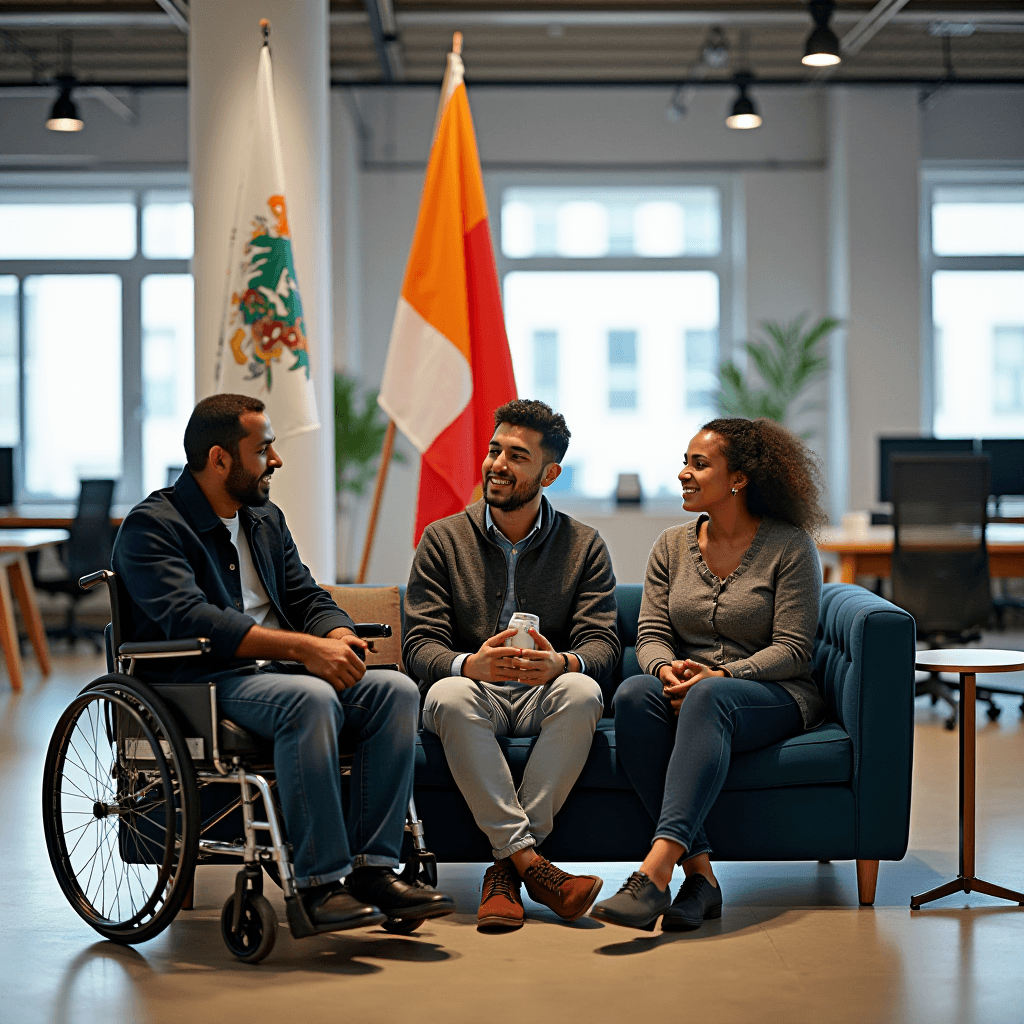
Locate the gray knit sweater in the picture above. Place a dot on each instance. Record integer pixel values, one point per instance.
(759, 622)
(457, 586)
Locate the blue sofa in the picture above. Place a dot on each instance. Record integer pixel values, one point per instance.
(840, 791)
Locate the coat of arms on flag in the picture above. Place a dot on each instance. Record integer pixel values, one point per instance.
(264, 351)
(267, 314)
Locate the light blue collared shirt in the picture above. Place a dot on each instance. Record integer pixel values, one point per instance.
(513, 552)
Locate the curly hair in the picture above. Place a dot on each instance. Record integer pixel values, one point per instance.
(784, 478)
(528, 412)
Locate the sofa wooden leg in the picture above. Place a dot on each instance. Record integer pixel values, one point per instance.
(867, 877)
(190, 896)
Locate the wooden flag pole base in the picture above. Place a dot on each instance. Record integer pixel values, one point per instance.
(378, 494)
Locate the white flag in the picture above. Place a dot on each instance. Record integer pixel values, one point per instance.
(263, 350)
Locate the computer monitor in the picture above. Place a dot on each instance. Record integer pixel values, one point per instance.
(6, 476)
(888, 446)
(1006, 457)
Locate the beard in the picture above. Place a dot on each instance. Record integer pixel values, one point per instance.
(521, 494)
(244, 486)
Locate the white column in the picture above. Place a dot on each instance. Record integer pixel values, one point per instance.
(224, 46)
(875, 282)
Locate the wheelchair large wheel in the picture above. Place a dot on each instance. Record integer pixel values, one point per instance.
(121, 810)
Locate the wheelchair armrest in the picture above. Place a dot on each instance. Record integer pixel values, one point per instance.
(90, 581)
(372, 630)
(166, 648)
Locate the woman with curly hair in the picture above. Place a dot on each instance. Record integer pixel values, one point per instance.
(727, 624)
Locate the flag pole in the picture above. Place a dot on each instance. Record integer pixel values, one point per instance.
(389, 436)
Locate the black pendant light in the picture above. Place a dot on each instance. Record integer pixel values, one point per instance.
(744, 114)
(64, 115)
(822, 48)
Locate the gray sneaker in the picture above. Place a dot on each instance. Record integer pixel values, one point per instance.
(638, 904)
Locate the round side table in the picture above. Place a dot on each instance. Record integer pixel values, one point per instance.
(968, 663)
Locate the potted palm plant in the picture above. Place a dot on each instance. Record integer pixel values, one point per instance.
(359, 428)
(787, 359)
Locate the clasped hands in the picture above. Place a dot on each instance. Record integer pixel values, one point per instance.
(496, 663)
(678, 677)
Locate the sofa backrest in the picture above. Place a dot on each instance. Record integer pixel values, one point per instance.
(841, 606)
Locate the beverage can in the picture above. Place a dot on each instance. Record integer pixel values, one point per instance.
(522, 622)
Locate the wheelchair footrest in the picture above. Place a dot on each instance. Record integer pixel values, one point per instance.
(420, 867)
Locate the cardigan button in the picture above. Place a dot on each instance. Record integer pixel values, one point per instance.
(232, 566)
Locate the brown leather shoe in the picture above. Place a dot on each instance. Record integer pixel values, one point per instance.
(569, 896)
(501, 906)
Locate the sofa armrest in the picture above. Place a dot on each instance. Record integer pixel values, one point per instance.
(864, 665)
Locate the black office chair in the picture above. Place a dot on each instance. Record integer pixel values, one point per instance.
(88, 550)
(940, 571)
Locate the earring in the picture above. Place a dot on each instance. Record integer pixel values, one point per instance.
(735, 492)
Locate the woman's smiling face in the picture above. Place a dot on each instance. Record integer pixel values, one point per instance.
(705, 475)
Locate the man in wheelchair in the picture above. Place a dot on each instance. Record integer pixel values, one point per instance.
(212, 557)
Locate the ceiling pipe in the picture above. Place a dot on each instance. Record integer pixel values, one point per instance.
(384, 30)
(178, 12)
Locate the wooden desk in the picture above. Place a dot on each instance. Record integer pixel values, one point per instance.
(869, 553)
(49, 517)
(967, 664)
(16, 583)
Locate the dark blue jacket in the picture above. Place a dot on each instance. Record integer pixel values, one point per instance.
(179, 571)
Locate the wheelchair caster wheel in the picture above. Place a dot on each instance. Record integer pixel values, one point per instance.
(994, 712)
(398, 927)
(257, 930)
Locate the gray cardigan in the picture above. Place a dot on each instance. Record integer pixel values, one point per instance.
(457, 586)
(759, 622)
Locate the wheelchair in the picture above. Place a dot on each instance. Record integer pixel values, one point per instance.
(144, 781)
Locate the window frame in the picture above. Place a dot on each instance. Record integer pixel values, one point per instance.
(938, 175)
(131, 271)
(728, 264)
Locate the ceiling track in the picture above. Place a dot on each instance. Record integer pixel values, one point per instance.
(509, 18)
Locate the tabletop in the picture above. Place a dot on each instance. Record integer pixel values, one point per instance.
(880, 538)
(30, 540)
(976, 660)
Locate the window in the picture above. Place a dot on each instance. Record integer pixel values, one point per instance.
(545, 367)
(974, 281)
(700, 355)
(616, 298)
(1008, 369)
(623, 382)
(9, 384)
(96, 350)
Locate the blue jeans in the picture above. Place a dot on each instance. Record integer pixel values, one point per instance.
(678, 765)
(309, 720)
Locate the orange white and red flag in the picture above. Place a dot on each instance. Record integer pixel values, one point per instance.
(448, 365)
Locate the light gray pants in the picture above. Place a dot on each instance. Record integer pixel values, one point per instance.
(468, 716)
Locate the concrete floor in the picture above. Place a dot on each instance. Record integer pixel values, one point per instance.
(792, 944)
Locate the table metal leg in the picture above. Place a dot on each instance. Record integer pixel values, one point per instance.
(965, 881)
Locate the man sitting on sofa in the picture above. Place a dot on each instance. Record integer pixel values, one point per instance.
(512, 552)
(212, 557)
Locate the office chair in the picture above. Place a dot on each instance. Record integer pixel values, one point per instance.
(940, 571)
(88, 550)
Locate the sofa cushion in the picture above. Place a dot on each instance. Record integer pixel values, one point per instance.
(819, 757)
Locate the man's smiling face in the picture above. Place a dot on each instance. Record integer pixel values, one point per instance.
(515, 468)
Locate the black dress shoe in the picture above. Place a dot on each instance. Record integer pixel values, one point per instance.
(399, 900)
(638, 904)
(333, 907)
(697, 901)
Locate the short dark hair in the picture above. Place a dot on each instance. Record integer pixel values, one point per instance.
(217, 420)
(528, 412)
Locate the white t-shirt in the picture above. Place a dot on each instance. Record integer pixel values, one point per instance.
(254, 596)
